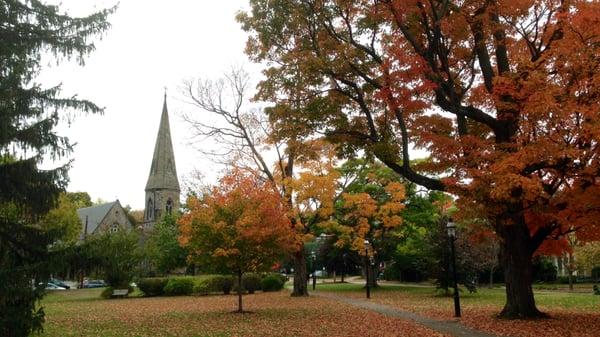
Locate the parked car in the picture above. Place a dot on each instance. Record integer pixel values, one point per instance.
(52, 286)
(321, 273)
(59, 283)
(94, 283)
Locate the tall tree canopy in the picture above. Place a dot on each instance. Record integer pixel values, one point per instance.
(62, 221)
(370, 209)
(162, 247)
(28, 116)
(503, 95)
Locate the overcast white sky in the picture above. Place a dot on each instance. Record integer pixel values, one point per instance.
(152, 44)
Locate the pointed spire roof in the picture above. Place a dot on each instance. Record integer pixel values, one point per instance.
(163, 174)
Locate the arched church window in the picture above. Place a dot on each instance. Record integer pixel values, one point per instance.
(169, 206)
(150, 209)
(114, 228)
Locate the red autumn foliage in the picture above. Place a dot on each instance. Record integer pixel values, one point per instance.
(505, 96)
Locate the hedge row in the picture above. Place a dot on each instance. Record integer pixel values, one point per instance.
(225, 284)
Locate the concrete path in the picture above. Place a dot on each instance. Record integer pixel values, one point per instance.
(360, 280)
(448, 327)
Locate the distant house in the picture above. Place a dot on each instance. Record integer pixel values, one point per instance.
(108, 217)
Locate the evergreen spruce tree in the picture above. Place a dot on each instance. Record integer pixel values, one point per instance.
(28, 116)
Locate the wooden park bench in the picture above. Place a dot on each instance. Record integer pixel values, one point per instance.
(120, 293)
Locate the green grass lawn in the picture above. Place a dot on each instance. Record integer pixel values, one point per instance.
(484, 296)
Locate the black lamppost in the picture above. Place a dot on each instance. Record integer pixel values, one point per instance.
(367, 268)
(344, 262)
(314, 269)
(451, 227)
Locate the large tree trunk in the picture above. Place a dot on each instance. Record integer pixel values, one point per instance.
(516, 256)
(300, 276)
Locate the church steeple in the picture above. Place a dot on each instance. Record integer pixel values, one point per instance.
(162, 188)
(163, 173)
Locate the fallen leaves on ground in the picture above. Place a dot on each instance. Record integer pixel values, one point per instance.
(482, 316)
(272, 314)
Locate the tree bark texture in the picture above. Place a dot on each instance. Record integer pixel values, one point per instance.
(300, 275)
(516, 257)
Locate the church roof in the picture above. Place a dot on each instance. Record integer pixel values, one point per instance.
(163, 174)
(95, 214)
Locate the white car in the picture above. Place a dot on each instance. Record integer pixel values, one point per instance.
(51, 286)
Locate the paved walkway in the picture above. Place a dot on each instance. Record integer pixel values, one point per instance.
(448, 327)
(360, 280)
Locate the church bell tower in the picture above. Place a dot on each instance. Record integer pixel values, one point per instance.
(162, 188)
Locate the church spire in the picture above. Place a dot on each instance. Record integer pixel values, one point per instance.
(163, 174)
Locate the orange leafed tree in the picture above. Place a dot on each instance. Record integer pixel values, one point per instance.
(365, 217)
(504, 95)
(240, 226)
(361, 211)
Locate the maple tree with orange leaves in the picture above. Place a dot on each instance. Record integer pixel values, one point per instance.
(241, 225)
(504, 95)
(369, 209)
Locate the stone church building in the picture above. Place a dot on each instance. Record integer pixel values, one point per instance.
(107, 217)
(162, 191)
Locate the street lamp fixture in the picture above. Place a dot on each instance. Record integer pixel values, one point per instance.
(367, 263)
(451, 228)
(344, 256)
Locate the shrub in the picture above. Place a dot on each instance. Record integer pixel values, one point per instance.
(565, 279)
(153, 286)
(280, 276)
(226, 284)
(179, 286)
(202, 287)
(107, 292)
(272, 283)
(391, 273)
(596, 273)
(544, 270)
(596, 289)
(221, 283)
(251, 282)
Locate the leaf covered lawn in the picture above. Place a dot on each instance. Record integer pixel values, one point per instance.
(571, 314)
(80, 313)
